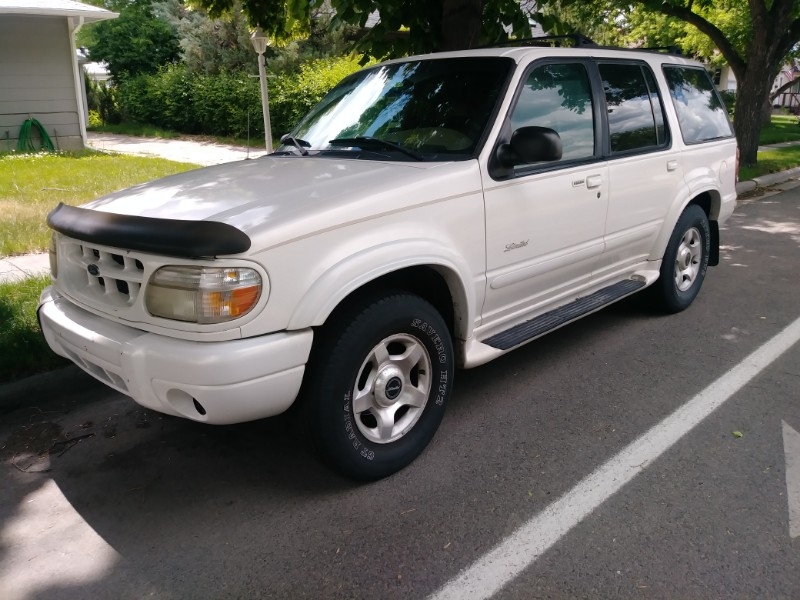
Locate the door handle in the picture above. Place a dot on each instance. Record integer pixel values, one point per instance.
(672, 165)
(593, 181)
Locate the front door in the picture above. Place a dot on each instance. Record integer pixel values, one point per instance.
(545, 222)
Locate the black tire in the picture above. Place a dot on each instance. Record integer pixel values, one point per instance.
(361, 350)
(685, 262)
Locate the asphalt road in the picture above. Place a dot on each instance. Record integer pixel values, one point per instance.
(151, 506)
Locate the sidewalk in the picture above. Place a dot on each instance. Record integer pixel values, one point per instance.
(16, 268)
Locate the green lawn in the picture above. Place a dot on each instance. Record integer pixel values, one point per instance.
(23, 350)
(783, 128)
(31, 185)
(772, 161)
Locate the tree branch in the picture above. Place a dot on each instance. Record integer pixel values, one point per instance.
(736, 62)
(782, 89)
(790, 38)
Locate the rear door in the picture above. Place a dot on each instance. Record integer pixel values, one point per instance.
(645, 167)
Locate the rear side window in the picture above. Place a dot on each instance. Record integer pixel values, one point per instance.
(635, 113)
(701, 115)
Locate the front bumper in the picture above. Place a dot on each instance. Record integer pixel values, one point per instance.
(212, 382)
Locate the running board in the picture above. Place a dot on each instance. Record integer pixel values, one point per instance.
(563, 315)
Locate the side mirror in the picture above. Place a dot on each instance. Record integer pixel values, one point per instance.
(530, 145)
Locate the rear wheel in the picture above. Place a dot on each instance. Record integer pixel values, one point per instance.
(378, 383)
(685, 262)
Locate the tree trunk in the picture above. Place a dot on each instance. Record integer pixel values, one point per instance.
(751, 91)
(461, 24)
(766, 113)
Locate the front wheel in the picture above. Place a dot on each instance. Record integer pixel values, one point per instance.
(685, 262)
(378, 383)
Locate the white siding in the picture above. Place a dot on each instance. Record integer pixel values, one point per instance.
(36, 80)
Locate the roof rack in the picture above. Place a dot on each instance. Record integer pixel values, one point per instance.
(578, 41)
(668, 49)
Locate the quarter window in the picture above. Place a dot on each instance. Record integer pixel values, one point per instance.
(701, 115)
(635, 113)
(559, 96)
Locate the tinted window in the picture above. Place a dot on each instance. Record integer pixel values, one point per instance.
(559, 96)
(635, 114)
(701, 115)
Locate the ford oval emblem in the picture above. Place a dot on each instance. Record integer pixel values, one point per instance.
(393, 388)
(93, 270)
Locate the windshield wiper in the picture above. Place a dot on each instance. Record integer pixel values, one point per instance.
(301, 145)
(368, 143)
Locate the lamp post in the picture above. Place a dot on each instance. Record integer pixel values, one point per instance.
(260, 44)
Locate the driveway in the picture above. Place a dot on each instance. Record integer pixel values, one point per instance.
(191, 150)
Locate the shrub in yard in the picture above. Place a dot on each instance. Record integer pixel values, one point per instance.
(228, 103)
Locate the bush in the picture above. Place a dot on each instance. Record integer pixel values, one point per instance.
(227, 103)
(94, 119)
(102, 99)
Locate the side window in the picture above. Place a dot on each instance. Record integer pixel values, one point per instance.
(701, 115)
(635, 113)
(559, 96)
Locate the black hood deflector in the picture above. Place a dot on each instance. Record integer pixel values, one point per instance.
(170, 237)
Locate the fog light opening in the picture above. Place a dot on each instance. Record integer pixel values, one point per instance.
(184, 404)
(199, 407)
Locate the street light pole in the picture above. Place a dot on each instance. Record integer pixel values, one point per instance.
(260, 44)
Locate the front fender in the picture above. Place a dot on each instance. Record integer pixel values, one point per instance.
(358, 269)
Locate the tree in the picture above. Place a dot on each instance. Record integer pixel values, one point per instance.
(209, 46)
(755, 37)
(400, 28)
(135, 42)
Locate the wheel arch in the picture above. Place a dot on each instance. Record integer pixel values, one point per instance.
(438, 280)
(710, 201)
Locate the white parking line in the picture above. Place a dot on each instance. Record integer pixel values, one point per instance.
(495, 569)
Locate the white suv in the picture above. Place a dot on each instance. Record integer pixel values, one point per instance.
(430, 212)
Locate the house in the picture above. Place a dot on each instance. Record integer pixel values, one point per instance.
(39, 69)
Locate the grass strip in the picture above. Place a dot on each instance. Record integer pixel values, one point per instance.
(782, 128)
(772, 161)
(23, 349)
(31, 185)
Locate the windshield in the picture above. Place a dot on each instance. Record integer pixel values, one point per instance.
(433, 109)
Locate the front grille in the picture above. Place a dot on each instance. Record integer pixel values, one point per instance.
(105, 278)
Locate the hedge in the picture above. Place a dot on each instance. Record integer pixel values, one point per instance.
(220, 104)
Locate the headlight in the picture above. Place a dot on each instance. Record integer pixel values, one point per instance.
(202, 294)
(52, 251)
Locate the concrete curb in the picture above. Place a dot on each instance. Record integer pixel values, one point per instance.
(767, 180)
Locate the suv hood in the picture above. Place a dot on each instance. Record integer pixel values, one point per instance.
(286, 197)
